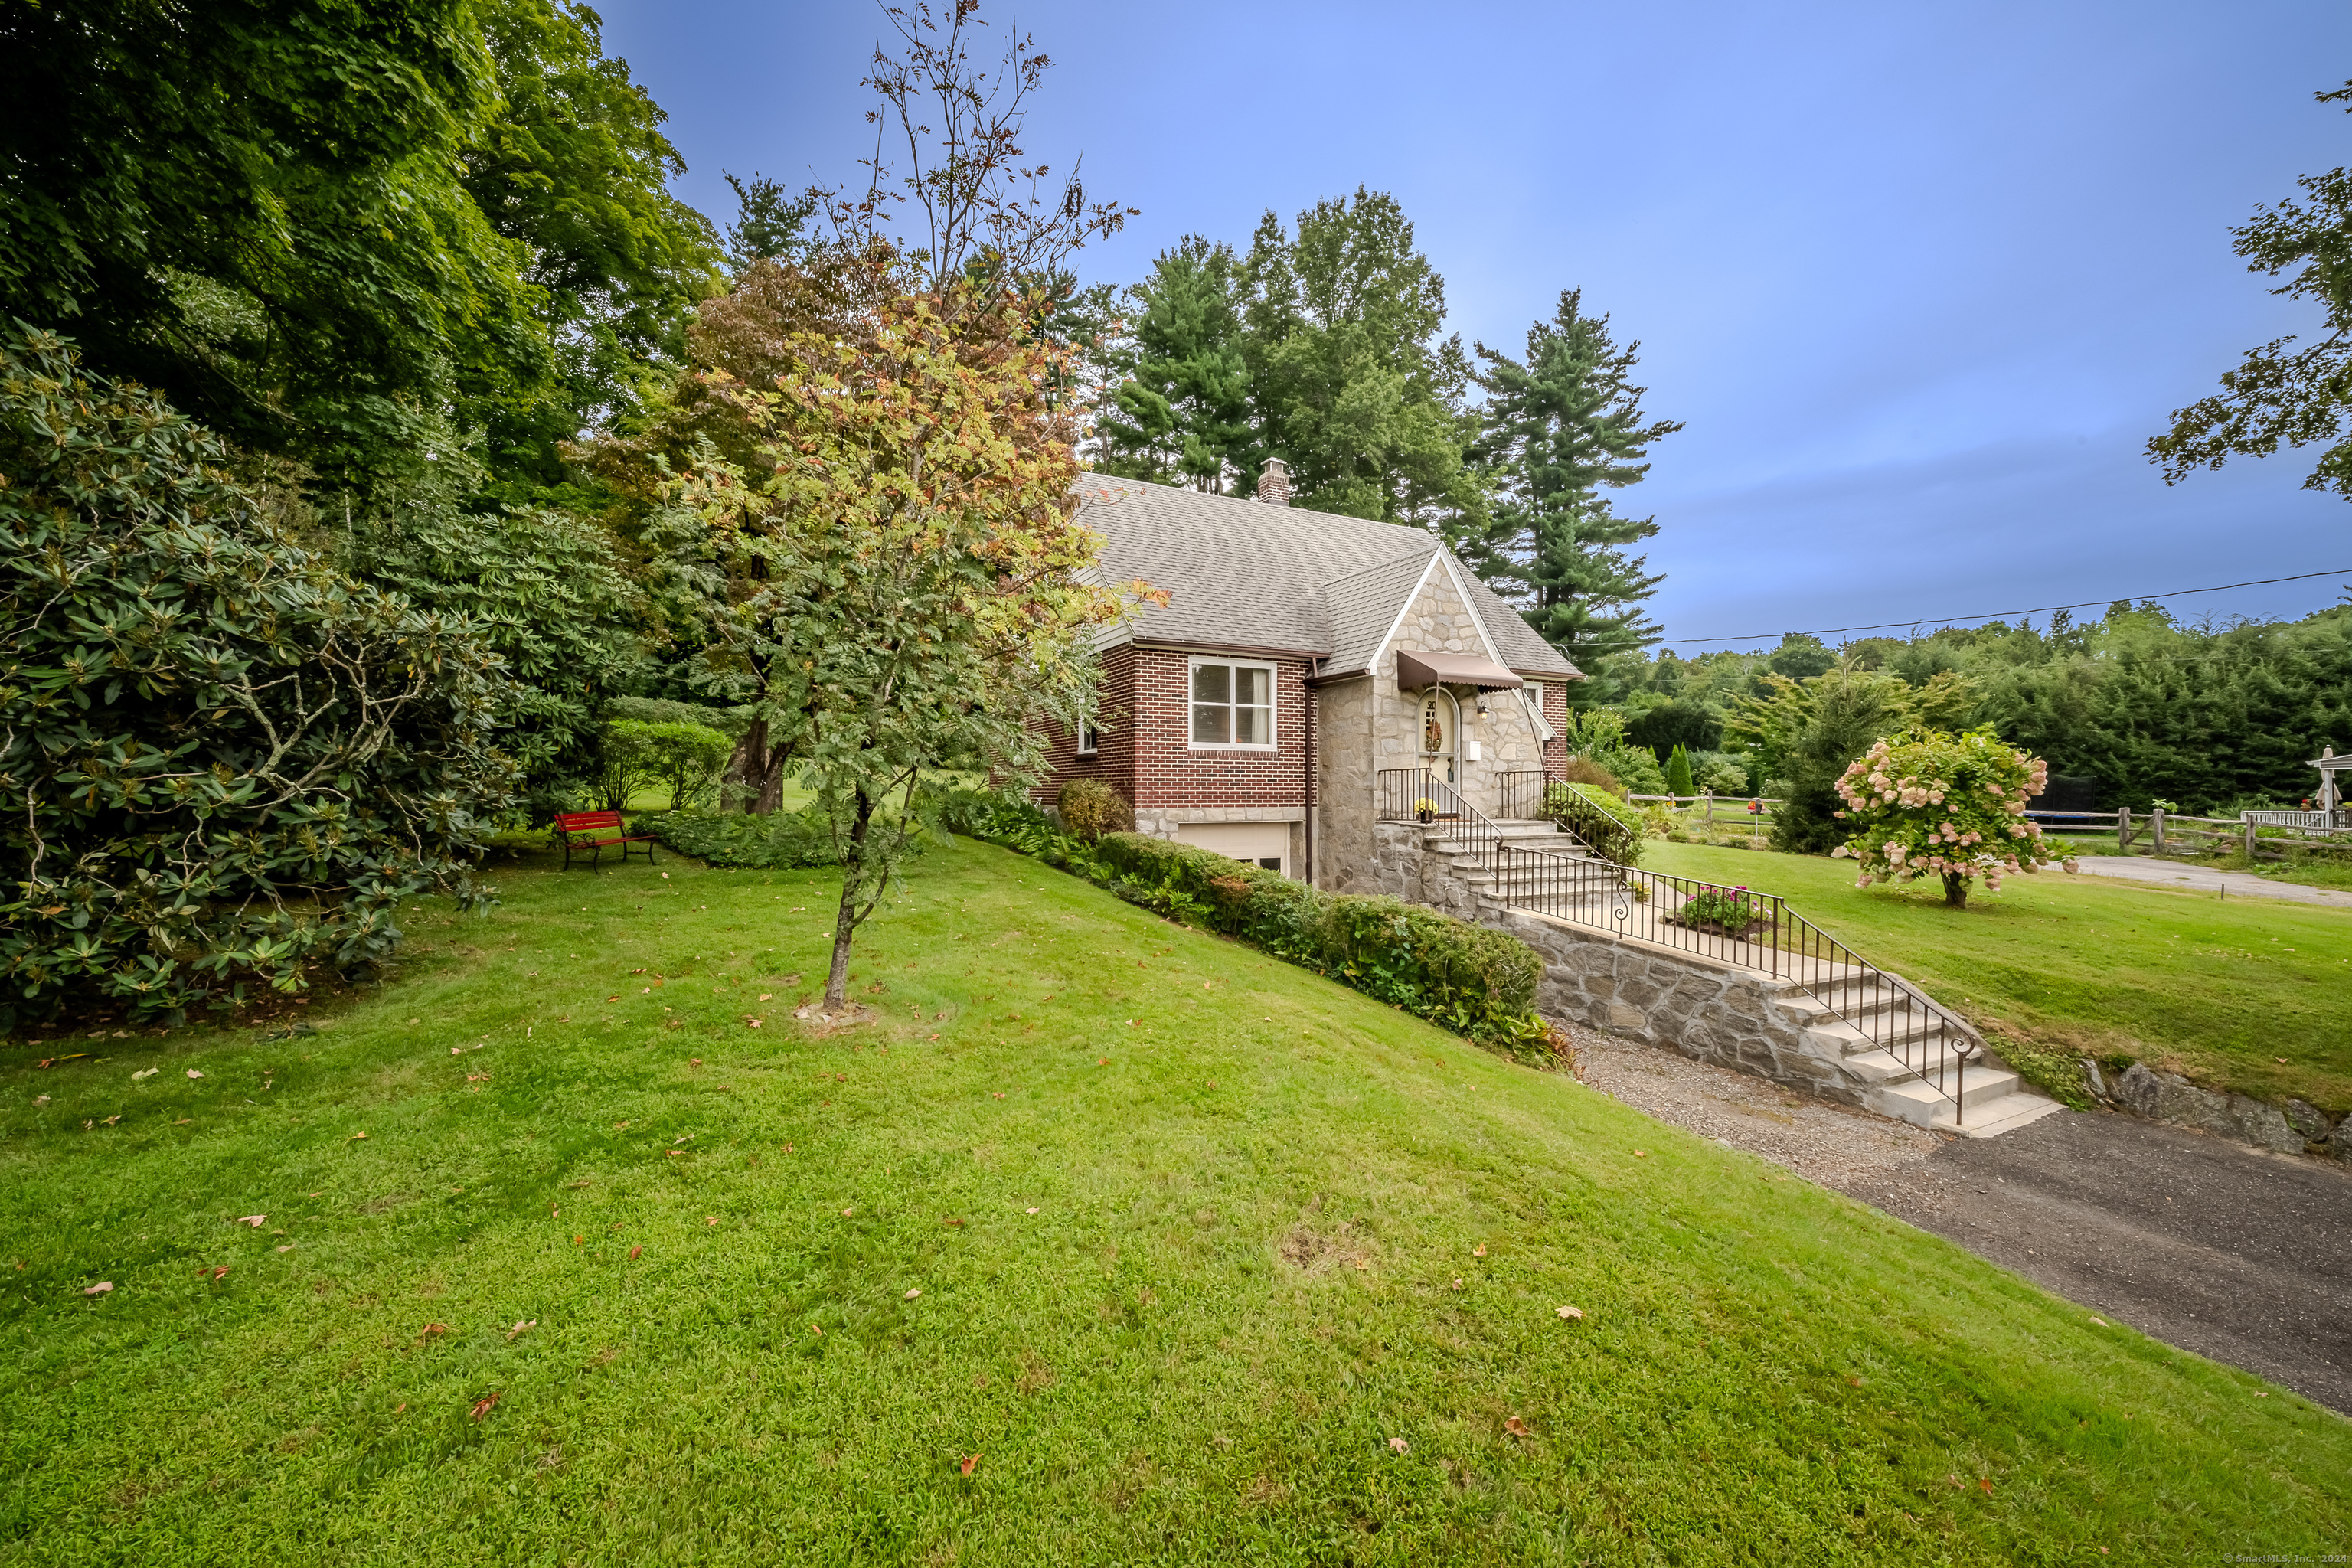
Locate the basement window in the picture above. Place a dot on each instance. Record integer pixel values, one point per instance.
(1233, 705)
(1089, 738)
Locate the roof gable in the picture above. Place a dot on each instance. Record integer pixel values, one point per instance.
(1242, 574)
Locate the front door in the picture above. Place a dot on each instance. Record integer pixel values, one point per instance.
(1440, 721)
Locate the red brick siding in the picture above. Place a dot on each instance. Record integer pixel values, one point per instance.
(1114, 761)
(1149, 758)
(1555, 711)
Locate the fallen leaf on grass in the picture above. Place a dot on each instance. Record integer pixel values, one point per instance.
(1479, 1250)
(43, 1100)
(139, 1077)
(430, 1330)
(288, 1247)
(1033, 1211)
(846, 1214)
(1103, 1063)
(1571, 1312)
(100, 1289)
(967, 1466)
(1641, 1154)
(1457, 1284)
(767, 997)
(1516, 1427)
(520, 1329)
(913, 1294)
(633, 1253)
(2101, 1322)
(1398, 1444)
(255, 1220)
(482, 1405)
(354, 1137)
(710, 1219)
(194, 1073)
(1986, 1483)
(816, 1330)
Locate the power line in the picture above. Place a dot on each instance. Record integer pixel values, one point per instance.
(2004, 615)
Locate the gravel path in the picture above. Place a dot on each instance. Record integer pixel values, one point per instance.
(2205, 1244)
(2201, 879)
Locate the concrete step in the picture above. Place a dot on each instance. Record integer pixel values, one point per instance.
(1920, 1103)
(2005, 1113)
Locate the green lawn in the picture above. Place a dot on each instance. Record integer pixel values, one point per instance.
(1196, 1235)
(2217, 988)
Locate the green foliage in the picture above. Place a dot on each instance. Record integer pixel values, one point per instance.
(1558, 429)
(2277, 396)
(1352, 384)
(771, 225)
(222, 759)
(1611, 827)
(544, 589)
(1805, 731)
(1178, 407)
(1929, 803)
(318, 228)
(775, 842)
(1598, 735)
(574, 169)
(1090, 808)
(1478, 981)
(729, 721)
(686, 758)
(1678, 774)
(1727, 909)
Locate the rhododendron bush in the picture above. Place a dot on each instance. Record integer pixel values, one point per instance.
(1929, 803)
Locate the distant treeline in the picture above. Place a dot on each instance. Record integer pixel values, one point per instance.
(2130, 708)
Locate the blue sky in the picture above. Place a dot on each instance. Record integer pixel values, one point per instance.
(1921, 281)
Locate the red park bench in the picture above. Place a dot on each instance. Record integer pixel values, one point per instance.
(597, 831)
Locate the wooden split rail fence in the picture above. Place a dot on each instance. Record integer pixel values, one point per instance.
(2170, 832)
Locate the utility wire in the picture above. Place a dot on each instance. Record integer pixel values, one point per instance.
(2004, 615)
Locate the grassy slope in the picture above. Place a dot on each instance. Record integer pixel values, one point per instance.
(1176, 1356)
(2219, 989)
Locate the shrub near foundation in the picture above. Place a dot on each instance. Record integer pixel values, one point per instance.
(1091, 808)
(1467, 977)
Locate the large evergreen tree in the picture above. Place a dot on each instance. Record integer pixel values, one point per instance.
(1178, 405)
(1352, 382)
(1562, 426)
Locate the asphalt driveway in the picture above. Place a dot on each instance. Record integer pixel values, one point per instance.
(2240, 1255)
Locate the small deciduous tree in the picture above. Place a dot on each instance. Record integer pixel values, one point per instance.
(1932, 803)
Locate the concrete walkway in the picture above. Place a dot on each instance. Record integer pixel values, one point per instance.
(2198, 878)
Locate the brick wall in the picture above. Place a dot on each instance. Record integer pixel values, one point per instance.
(1555, 712)
(1146, 754)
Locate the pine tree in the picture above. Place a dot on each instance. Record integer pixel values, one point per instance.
(1178, 409)
(1562, 426)
(1678, 773)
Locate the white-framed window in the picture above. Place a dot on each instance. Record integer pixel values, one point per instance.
(1089, 738)
(1233, 705)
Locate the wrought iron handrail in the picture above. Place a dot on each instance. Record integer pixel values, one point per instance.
(1521, 795)
(1730, 924)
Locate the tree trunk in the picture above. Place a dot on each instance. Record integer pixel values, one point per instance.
(1955, 891)
(845, 918)
(754, 779)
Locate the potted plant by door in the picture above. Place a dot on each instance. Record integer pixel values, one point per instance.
(1425, 809)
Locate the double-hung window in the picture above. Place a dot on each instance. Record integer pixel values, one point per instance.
(1232, 704)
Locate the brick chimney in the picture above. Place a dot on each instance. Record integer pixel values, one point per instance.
(1273, 485)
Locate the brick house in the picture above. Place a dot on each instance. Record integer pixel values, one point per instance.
(1300, 656)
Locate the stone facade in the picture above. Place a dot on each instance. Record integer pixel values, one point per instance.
(1704, 1009)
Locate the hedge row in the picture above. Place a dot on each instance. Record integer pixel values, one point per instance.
(1477, 982)
(774, 842)
(1611, 827)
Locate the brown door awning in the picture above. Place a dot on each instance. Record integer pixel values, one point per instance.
(1417, 671)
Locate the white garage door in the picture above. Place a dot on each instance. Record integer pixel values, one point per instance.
(1265, 844)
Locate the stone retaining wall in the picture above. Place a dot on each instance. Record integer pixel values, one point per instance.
(2299, 1129)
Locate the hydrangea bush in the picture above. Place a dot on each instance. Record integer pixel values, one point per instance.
(1930, 803)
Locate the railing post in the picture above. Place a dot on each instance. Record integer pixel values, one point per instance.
(2155, 828)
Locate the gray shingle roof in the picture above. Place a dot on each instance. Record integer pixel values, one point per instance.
(1242, 575)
